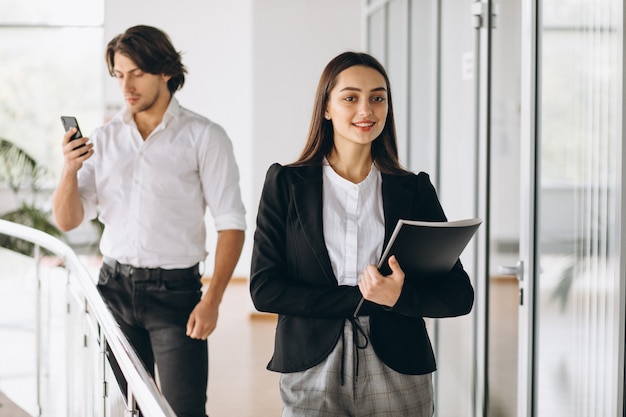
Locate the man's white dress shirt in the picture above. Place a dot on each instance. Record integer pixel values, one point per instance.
(152, 194)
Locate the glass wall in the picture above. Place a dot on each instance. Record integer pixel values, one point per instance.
(578, 285)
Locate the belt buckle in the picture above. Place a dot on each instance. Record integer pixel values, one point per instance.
(141, 274)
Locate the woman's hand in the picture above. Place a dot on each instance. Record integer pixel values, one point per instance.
(380, 289)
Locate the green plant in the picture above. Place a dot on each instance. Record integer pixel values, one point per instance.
(21, 173)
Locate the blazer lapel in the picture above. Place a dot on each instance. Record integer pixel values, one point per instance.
(308, 204)
(398, 203)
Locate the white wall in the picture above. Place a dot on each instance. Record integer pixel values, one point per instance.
(253, 68)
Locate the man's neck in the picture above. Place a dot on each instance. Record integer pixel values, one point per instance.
(149, 119)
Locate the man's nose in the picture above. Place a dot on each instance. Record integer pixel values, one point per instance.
(127, 85)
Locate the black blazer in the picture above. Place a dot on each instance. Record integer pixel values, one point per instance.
(291, 274)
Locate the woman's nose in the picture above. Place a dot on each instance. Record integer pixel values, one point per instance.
(365, 108)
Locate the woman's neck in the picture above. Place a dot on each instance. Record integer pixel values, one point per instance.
(353, 167)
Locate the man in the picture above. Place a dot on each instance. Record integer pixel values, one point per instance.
(149, 175)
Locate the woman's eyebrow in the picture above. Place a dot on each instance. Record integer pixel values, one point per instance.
(358, 89)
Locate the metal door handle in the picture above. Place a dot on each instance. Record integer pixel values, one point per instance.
(517, 270)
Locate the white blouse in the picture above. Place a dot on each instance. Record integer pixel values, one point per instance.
(354, 223)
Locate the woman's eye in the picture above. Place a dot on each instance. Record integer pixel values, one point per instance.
(350, 98)
(378, 99)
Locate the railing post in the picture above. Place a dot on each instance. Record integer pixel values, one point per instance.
(37, 258)
(68, 355)
(131, 404)
(103, 369)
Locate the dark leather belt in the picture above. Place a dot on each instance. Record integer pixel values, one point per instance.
(150, 274)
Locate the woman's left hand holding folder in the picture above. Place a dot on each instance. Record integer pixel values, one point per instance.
(381, 289)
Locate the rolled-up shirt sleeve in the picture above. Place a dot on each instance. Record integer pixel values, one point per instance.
(219, 174)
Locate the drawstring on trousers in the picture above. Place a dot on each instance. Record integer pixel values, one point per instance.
(356, 346)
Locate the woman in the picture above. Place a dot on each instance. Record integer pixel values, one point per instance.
(322, 224)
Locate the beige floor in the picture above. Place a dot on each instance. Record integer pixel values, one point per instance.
(9, 409)
(239, 349)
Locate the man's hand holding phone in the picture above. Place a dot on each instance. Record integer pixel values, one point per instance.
(74, 142)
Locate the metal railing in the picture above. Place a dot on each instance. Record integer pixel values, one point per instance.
(88, 344)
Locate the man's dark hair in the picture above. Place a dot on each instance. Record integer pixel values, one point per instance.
(152, 50)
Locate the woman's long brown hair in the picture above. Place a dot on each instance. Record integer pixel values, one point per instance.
(320, 139)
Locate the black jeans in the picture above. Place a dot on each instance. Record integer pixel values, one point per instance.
(152, 307)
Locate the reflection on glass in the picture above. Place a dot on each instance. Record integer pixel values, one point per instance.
(578, 286)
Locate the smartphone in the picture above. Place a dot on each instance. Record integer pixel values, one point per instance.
(70, 122)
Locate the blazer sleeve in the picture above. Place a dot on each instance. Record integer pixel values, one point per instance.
(441, 295)
(286, 276)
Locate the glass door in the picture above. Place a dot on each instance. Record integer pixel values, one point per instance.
(508, 204)
(555, 160)
(573, 323)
